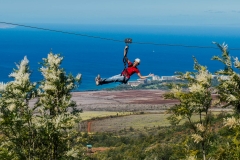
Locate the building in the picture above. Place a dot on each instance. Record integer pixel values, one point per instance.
(164, 78)
(139, 81)
(154, 78)
(171, 78)
(89, 148)
(134, 83)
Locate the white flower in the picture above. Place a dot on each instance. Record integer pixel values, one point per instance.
(193, 104)
(9, 100)
(231, 98)
(25, 77)
(49, 87)
(196, 88)
(200, 127)
(43, 69)
(197, 138)
(72, 153)
(58, 119)
(54, 60)
(70, 86)
(11, 107)
(232, 82)
(231, 122)
(204, 77)
(16, 91)
(176, 89)
(2, 86)
(24, 62)
(224, 46)
(53, 77)
(236, 62)
(21, 75)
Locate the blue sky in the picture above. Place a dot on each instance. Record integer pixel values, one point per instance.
(133, 12)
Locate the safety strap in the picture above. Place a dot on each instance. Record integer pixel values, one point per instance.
(127, 41)
(124, 60)
(124, 63)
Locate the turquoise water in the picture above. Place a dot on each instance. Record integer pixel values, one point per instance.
(90, 56)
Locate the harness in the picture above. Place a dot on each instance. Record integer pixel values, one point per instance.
(127, 41)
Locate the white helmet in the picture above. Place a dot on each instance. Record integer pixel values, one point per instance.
(137, 60)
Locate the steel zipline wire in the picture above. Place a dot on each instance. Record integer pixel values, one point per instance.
(115, 40)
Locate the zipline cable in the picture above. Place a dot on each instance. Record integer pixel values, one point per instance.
(115, 40)
(52, 30)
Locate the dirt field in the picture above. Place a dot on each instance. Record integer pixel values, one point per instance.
(107, 103)
(132, 100)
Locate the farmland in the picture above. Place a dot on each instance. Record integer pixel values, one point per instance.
(112, 111)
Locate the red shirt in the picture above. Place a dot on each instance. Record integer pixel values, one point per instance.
(130, 70)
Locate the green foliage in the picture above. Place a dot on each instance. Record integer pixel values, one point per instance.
(228, 89)
(46, 130)
(228, 92)
(57, 112)
(16, 121)
(195, 100)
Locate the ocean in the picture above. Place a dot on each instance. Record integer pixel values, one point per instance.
(92, 56)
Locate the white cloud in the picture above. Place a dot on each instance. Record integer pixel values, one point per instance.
(215, 11)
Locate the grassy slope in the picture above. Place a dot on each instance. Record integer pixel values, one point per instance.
(125, 120)
(162, 142)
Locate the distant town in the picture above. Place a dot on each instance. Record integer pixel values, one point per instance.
(154, 78)
(163, 78)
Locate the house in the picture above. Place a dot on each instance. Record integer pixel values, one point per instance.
(89, 148)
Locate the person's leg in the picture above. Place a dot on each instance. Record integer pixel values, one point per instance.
(116, 78)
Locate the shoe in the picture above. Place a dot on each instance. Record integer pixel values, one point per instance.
(97, 80)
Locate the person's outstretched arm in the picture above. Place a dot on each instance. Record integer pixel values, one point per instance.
(125, 54)
(144, 77)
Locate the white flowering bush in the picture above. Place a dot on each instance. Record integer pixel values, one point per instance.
(231, 122)
(58, 113)
(197, 138)
(229, 96)
(2, 86)
(46, 130)
(16, 116)
(194, 99)
(228, 89)
(230, 148)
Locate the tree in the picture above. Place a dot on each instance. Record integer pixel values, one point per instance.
(46, 130)
(229, 95)
(16, 119)
(194, 99)
(229, 79)
(57, 112)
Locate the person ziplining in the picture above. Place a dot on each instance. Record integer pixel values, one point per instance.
(126, 73)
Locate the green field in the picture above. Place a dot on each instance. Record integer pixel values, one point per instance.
(97, 114)
(126, 120)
